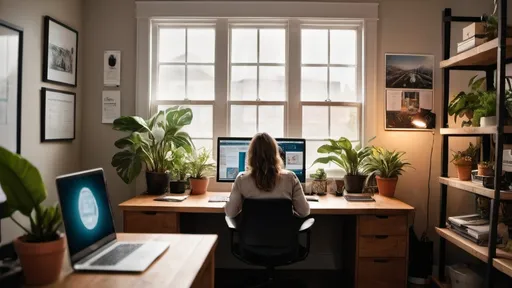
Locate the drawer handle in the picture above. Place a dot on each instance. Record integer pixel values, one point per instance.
(149, 212)
(380, 260)
(381, 236)
(382, 216)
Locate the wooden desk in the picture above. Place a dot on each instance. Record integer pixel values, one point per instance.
(382, 229)
(189, 262)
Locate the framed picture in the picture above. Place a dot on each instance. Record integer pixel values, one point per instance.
(409, 89)
(60, 53)
(58, 115)
(11, 63)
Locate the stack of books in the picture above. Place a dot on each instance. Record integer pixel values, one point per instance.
(472, 36)
(471, 227)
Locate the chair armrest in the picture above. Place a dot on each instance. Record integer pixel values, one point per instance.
(307, 225)
(231, 223)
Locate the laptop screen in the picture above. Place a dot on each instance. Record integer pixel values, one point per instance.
(85, 210)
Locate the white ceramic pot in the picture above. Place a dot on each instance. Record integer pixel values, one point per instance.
(488, 121)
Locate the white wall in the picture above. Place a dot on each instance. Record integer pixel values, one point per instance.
(52, 159)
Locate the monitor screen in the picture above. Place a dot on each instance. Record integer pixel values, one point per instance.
(232, 157)
(85, 209)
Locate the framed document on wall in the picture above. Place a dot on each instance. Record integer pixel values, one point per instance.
(58, 109)
(11, 62)
(60, 53)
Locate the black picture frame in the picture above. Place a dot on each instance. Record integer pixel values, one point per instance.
(19, 85)
(46, 65)
(44, 134)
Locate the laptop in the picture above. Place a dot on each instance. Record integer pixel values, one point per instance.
(90, 231)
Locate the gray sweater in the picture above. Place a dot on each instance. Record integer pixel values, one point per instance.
(287, 187)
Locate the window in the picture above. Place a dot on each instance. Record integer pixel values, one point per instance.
(186, 75)
(330, 90)
(286, 77)
(257, 95)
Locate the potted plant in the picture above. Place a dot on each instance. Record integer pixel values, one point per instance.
(464, 161)
(386, 166)
(179, 170)
(149, 143)
(350, 159)
(485, 168)
(41, 250)
(201, 167)
(319, 185)
(485, 114)
(465, 104)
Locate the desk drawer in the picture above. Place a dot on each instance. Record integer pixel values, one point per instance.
(151, 222)
(382, 246)
(381, 273)
(382, 225)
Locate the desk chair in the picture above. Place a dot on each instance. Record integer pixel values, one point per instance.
(266, 233)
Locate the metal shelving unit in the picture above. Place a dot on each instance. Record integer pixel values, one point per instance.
(488, 57)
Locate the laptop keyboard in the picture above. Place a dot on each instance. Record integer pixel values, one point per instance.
(115, 255)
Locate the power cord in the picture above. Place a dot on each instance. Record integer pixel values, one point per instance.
(424, 236)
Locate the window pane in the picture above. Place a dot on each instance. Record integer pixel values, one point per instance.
(243, 120)
(271, 120)
(315, 122)
(343, 47)
(272, 83)
(314, 84)
(272, 45)
(201, 45)
(204, 143)
(243, 83)
(244, 45)
(344, 123)
(314, 46)
(171, 46)
(200, 82)
(171, 82)
(311, 154)
(343, 84)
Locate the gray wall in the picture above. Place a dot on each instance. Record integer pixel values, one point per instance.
(52, 159)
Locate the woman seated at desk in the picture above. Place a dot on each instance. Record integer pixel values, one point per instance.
(266, 178)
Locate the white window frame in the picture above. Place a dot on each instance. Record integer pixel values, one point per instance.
(366, 14)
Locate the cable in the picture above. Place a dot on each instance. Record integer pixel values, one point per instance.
(424, 236)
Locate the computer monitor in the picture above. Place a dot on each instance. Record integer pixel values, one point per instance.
(232, 157)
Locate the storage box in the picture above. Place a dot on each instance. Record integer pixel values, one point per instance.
(463, 277)
(474, 29)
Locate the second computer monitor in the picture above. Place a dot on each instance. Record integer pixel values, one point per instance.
(232, 157)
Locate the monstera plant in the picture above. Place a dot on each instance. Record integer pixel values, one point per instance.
(151, 143)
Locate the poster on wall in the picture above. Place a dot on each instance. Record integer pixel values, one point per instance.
(112, 68)
(57, 115)
(60, 53)
(111, 106)
(409, 89)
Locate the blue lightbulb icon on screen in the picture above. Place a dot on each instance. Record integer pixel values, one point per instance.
(88, 208)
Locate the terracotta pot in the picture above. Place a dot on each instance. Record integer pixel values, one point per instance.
(41, 262)
(485, 171)
(387, 186)
(464, 172)
(198, 186)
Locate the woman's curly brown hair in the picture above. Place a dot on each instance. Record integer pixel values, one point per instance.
(264, 161)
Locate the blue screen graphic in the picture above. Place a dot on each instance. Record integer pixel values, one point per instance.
(85, 210)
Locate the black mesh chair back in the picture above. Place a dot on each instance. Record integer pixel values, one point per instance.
(268, 226)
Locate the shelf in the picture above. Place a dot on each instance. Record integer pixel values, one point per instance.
(480, 252)
(483, 55)
(473, 131)
(473, 188)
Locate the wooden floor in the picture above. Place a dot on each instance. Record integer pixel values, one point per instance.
(226, 278)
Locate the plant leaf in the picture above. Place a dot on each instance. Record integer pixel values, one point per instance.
(131, 124)
(128, 165)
